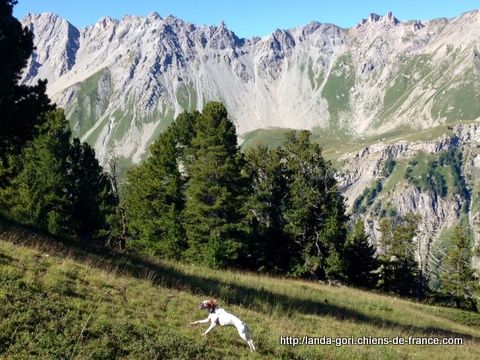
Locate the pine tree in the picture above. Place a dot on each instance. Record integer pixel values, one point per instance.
(212, 216)
(457, 275)
(117, 234)
(314, 214)
(267, 176)
(154, 199)
(44, 179)
(408, 277)
(184, 129)
(61, 188)
(360, 259)
(91, 194)
(476, 290)
(21, 106)
(400, 272)
(386, 271)
(39, 194)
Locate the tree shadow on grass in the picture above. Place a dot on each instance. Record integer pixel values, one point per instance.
(5, 259)
(167, 276)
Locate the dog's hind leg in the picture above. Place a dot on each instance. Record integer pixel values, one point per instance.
(244, 334)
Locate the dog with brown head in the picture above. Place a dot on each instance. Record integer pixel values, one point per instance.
(211, 304)
(219, 317)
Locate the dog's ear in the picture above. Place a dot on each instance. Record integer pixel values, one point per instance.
(213, 302)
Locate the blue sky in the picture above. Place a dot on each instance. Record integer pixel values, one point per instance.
(248, 17)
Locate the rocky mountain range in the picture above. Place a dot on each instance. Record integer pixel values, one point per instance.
(413, 86)
(123, 81)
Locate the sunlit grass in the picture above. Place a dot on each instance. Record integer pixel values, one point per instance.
(59, 302)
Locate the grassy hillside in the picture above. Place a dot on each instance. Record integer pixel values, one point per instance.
(338, 143)
(57, 301)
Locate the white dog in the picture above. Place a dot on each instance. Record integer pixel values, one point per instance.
(218, 316)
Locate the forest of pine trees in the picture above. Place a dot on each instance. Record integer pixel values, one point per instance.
(198, 198)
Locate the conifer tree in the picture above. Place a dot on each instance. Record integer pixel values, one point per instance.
(61, 187)
(185, 130)
(314, 214)
(360, 259)
(91, 194)
(117, 233)
(44, 179)
(21, 106)
(457, 275)
(212, 216)
(154, 199)
(399, 272)
(386, 271)
(39, 195)
(265, 203)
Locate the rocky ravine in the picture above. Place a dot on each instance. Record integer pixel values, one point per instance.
(438, 213)
(123, 81)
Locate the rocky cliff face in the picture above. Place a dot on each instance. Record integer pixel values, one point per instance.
(374, 191)
(123, 81)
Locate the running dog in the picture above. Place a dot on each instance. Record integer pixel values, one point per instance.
(218, 316)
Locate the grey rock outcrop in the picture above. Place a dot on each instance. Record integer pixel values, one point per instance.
(437, 213)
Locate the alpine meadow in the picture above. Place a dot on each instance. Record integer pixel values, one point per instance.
(316, 188)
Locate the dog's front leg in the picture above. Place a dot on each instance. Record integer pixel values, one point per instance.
(200, 322)
(212, 325)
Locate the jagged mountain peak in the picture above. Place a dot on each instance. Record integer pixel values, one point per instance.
(154, 16)
(310, 28)
(45, 16)
(46, 21)
(122, 81)
(56, 42)
(374, 19)
(106, 21)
